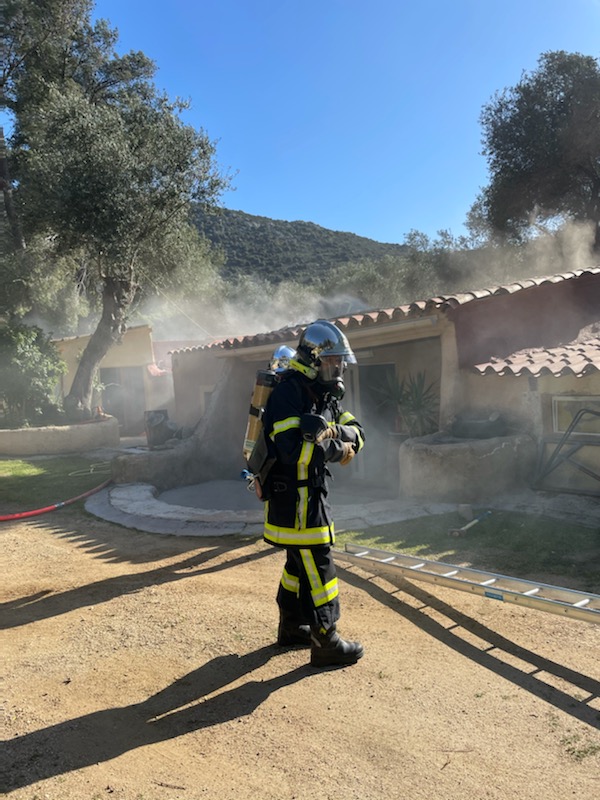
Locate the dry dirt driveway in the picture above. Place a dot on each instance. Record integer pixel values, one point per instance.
(143, 667)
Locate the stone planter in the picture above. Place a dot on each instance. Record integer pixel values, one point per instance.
(55, 439)
(442, 468)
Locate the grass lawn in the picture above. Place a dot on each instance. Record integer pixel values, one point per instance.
(29, 484)
(506, 542)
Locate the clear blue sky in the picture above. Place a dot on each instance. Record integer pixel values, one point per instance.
(358, 115)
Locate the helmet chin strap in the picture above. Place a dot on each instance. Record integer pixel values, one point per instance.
(334, 387)
(310, 372)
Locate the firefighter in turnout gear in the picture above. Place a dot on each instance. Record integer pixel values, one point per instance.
(307, 429)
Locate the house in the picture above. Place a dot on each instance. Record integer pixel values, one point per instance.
(134, 376)
(527, 353)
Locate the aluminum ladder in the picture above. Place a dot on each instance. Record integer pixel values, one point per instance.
(541, 596)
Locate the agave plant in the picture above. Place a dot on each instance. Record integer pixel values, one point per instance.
(416, 402)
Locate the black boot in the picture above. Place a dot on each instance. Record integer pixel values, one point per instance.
(291, 632)
(328, 649)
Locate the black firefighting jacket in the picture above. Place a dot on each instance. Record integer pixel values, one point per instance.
(296, 512)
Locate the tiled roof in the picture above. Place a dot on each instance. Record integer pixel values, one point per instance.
(577, 358)
(363, 319)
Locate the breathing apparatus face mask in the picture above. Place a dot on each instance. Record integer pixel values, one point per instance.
(331, 370)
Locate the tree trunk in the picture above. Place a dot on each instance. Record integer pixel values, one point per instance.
(117, 295)
(6, 188)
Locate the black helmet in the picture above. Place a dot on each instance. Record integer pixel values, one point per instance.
(322, 354)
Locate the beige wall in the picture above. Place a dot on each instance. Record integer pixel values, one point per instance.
(510, 395)
(409, 357)
(56, 439)
(134, 351)
(195, 375)
(526, 403)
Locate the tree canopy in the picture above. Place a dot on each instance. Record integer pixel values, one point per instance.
(106, 170)
(542, 143)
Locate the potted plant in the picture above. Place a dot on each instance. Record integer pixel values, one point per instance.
(415, 401)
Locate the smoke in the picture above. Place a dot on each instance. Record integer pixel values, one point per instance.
(253, 306)
(569, 248)
(286, 305)
(248, 308)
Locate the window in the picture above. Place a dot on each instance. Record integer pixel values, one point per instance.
(565, 409)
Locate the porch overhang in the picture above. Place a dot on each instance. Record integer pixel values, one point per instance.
(361, 337)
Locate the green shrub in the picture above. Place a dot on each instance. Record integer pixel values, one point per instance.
(30, 367)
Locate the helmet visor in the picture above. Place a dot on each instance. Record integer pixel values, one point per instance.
(331, 368)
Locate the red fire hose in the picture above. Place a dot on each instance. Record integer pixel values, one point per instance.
(23, 514)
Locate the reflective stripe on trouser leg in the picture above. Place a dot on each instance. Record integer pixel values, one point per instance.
(291, 583)
(288, 593)
(321, 592)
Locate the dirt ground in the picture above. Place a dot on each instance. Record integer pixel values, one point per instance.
(142, 667)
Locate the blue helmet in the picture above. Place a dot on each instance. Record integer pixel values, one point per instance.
(280, 360)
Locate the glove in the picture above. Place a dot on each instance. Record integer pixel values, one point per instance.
(315, 428)
(347, 433)
(348, 453)
(329, 433)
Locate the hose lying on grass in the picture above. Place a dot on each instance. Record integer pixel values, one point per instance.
(24, 514)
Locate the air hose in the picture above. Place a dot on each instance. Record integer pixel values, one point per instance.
(24, 514)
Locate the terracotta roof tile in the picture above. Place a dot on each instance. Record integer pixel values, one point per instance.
(440, 303)
(578, 358)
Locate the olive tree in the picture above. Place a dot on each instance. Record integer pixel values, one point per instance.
(542, 143)
(105, 167)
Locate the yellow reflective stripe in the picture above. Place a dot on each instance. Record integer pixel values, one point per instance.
(310, 372)
(327, 593)
(290, 582)
(346, 419)
(285, 425)
(305, 538)
(361, 441)
(302, 509)
(311, 570)
(302, 472)
(321, 593)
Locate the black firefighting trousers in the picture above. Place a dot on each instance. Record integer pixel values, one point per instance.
(308, 592)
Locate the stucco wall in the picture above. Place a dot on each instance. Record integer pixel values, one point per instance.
(526, 404)
(60, 438)
(515, 397)
(135, 350)
(195, 375)
(215, 449)
(467, 471)
(525, 401)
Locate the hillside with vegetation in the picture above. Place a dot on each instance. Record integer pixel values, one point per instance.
(278, 250)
